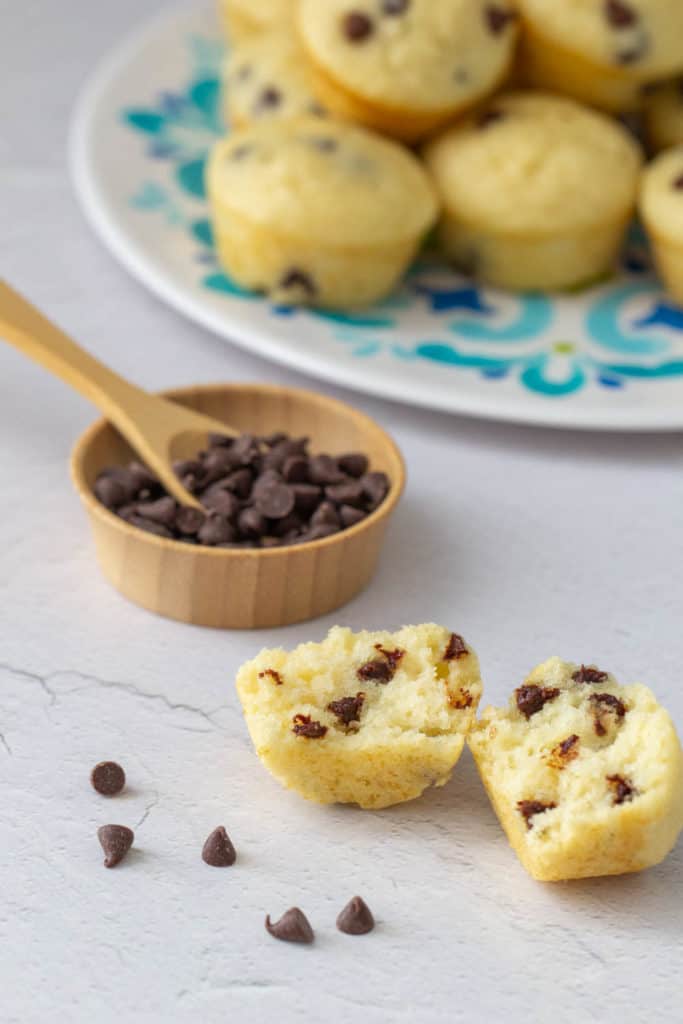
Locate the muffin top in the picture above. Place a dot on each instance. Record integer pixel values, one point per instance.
(644, 37)
(420, 55)
(267, 76)
(324, 181)
(533, 163)
(661, 193)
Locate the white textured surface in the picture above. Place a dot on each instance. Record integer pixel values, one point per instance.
(530, 543)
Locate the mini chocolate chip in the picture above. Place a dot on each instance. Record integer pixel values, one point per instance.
(620, 14)
(268, 98)
(376, 487)
(357, 26)
(116, 841)
(354, 464)
(377, 670)
(589, 674)
(678, 183)
(606, 703)
(393, 7)
(498, 18)
(529, 808)
(349, 516)
(218, 851)
(623, 789)
(218, 500)
(272, 674)
(531, 698)
(251, 523)
(305, 726)
(108, 778)
(351, 492)
(325, 515)
(149, 526)
(163, 511)
(111, 492)
(490, 117)
(215, 530)
(294, 278)
(189, 520)
(323, 469)
(347, 709)
(295, 469)
(455, 648)
(355, 918)
(275, 501)
(292, 927)
(307, 497)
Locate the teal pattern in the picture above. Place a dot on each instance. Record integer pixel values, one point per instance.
(627, 328)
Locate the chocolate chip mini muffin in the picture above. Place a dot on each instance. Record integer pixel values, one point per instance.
(367, 718)
(537, 191)
(317, 212)
(242, 19)
(585, 775)
(661, 209)
(266, 77)
(405, 67)
(664, 116)
(601, 51)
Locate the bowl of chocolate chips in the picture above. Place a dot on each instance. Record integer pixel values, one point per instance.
(291, 518)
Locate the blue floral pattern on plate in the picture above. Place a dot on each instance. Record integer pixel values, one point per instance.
(625, 329)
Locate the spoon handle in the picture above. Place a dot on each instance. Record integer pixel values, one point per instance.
(27, 329)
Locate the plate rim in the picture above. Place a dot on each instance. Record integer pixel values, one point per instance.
(97, 209)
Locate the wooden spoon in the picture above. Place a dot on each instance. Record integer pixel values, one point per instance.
(158, 430)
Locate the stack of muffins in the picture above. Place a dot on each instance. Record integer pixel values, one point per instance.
(359, 125)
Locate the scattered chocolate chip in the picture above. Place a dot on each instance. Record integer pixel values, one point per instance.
(268, 98)
(294, 278)
(589, 674)
(529, 808)
(605, 703)
(275, 676)
(355, 918)
(678, 183)
(623, 789)
(116, 841)
(292, 927)
(305, 726)
(498, 18)
(354, 464)
(564, 752)
(347, 709)
(108, 778)
(218, 851)
(394, 7)
(357, 26)
(620, 14)
(531, 699)
(490, 117)
(455, 648)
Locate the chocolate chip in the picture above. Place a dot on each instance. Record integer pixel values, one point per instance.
(394, 7)
(564, 752)
(215, 530)
(295, 469)
(111, 492)
(292, 927)
(605, 703)
(291, 524)
(620, 14)
(240, 483)
(305, 726)
(455, 648)
(319, 532)
(347, 709)
(269, 98)
(274, 501)
(529, 808)
(189, 520)
(215, 499)
(148, 526)
(108, 778)
(188, 467)
(355, 918)
(251, 523)
(271, 440)
(490, 117)
(376, 487)
(377, 670)
(531, 698)
(354, 464)
(325, 515)
(246, 449)
(272, 674)
(323, 469)
(220, 440)
(678, 183)
(498, 18)
(219, 462)
(307, 497)
(297, 279)
(116, 841)
(349, 516)
(357, 26)
(589, 674)
(393, 657)
(623, 789)
(461, 700)
(163, 511)
(218, 851)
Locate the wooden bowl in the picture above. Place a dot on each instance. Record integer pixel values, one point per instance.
(244, 588)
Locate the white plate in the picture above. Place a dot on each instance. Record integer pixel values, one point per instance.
(608, 358)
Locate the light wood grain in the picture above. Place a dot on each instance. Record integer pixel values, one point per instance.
(244, 589)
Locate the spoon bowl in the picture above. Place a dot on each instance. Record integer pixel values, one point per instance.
(243, 588)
